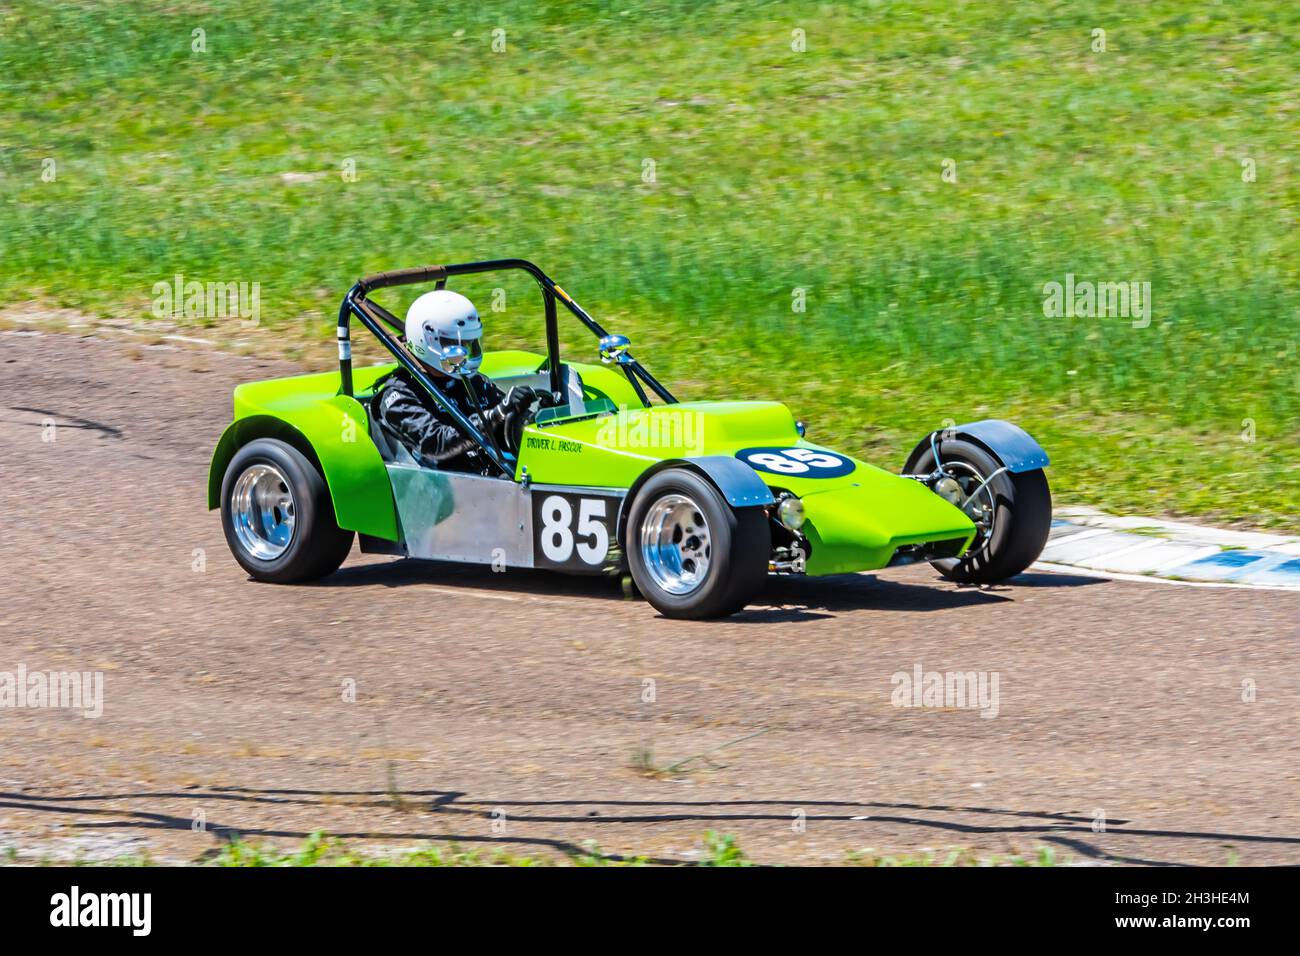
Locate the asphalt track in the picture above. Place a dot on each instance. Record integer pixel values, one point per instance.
(507, 709)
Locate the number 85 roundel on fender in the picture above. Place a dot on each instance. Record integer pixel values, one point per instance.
(804, 462)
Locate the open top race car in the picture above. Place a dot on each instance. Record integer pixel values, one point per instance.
(699, 501)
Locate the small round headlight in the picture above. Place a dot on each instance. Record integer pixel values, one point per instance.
(948, 489)
(790, 512)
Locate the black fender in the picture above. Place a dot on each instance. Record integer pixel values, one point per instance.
(1010, 444)
(738, 483)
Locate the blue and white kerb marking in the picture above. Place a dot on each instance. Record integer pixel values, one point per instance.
(1090, 540)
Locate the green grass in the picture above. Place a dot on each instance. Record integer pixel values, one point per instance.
(719, 850)
(775, 170)
(1043, 856)
(321, 850)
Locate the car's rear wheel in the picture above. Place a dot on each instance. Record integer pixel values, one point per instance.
(1012, 512)
(277, 515)
(690, 553)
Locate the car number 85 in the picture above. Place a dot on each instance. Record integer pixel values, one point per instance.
(806, 462)
(572, 531)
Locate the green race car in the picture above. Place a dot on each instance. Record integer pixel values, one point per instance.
(698, 501)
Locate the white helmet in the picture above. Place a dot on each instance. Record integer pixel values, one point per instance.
(439, 319)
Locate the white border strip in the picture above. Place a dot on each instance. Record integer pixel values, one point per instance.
(1117, 537)
(1151, 579)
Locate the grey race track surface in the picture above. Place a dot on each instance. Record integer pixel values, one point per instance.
(522, 692)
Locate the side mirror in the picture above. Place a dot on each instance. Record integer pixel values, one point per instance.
(454, 358)
(613, 348)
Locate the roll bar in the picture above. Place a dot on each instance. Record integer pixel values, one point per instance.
(385, 280)
(374, 316)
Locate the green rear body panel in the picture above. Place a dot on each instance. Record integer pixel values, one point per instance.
(334, 426)
(854, 521)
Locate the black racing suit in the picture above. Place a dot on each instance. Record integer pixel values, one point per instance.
(431, 434)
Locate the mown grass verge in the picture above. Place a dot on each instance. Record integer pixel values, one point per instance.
(694, 178)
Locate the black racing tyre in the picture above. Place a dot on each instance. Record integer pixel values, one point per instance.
(1017, 509)
(690, 553)
(278, 517)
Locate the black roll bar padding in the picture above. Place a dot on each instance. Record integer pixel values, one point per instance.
(386, 280)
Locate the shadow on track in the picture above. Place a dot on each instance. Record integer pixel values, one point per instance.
(1070, 830)
(784, 598)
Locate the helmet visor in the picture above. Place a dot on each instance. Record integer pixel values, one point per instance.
(474, 346)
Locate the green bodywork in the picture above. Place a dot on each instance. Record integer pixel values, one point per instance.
(854, 521)
(308, 412)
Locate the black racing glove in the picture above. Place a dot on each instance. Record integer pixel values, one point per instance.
(519, 398)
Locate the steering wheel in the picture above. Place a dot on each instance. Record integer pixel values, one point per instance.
(512, 429)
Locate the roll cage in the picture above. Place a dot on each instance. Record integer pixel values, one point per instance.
(388, 329)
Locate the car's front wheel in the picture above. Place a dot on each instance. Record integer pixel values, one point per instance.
(1012, 512)
(690, 553)
(277, 515)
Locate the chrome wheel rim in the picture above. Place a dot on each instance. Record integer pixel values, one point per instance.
(981, 508)
(676, 547)
(263, 508)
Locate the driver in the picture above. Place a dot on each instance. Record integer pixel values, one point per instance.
(436, 321)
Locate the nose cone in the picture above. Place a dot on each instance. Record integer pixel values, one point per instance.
(859, 526)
